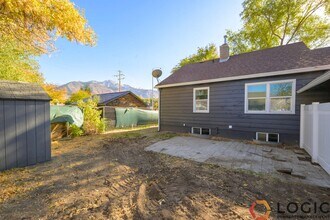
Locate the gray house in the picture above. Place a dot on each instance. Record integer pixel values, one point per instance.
(24, 125)
(255, 95)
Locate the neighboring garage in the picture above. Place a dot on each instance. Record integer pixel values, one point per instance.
(24, 125)
(115, 105)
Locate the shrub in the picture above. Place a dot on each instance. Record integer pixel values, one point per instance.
(76, 131)
(93, 124)
(78, 96)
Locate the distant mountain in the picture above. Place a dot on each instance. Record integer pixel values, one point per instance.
(105, 87)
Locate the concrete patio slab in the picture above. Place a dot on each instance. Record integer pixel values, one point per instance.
(239, 155)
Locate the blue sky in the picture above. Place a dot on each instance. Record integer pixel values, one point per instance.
(136, 36)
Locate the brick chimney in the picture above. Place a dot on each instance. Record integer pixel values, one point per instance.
(224, 51)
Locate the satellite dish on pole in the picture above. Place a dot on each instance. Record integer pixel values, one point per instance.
(157, 73)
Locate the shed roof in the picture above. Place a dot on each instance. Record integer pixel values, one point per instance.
(108, 97)
(22, 91)
(282, 58)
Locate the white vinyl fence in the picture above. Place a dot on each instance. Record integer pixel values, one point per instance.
(315, 132)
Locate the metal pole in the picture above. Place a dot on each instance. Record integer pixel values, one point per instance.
(119, 81)
(152, 93)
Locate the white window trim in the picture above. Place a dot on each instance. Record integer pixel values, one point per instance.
(267, 109)
(208, 100)
(257, 135)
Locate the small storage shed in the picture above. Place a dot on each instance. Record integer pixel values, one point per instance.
(24, 125)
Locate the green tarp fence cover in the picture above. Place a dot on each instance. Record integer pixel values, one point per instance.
(70, 114)
(127, 117)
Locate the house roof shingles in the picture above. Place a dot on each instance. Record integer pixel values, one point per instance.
(107, 97)
(292, 56)
(22, 91)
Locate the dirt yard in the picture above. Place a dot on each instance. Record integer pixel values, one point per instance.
(110, 176)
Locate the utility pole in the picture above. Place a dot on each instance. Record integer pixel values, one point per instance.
(120, 77)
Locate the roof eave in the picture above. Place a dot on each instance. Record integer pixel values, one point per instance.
(319, 80)
(250, 76)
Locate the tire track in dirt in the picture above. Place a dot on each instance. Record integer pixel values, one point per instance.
(141, 200)
(212, 207)
(162, 194)
(121, 193)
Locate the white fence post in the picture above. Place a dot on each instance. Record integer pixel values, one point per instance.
(315, 138)
(302, 124)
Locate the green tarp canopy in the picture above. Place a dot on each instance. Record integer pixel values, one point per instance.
(63, 114)
(127, 117)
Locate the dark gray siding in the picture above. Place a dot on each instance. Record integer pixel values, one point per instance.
(21, 134)
(31, 132)
(2, 136)
(40, 130)
(227, 108)
(47, 132)
(24, 133)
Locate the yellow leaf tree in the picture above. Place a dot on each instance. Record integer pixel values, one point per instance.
(36, 24)
(57, 95)
(79, 96)
(29, 28)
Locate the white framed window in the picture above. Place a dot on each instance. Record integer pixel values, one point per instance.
(201, 100)
(268, 137)
(273, 97)
(201, 131)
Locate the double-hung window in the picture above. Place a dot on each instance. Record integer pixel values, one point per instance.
(256, 97)
(276, 97)
(201, 100)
